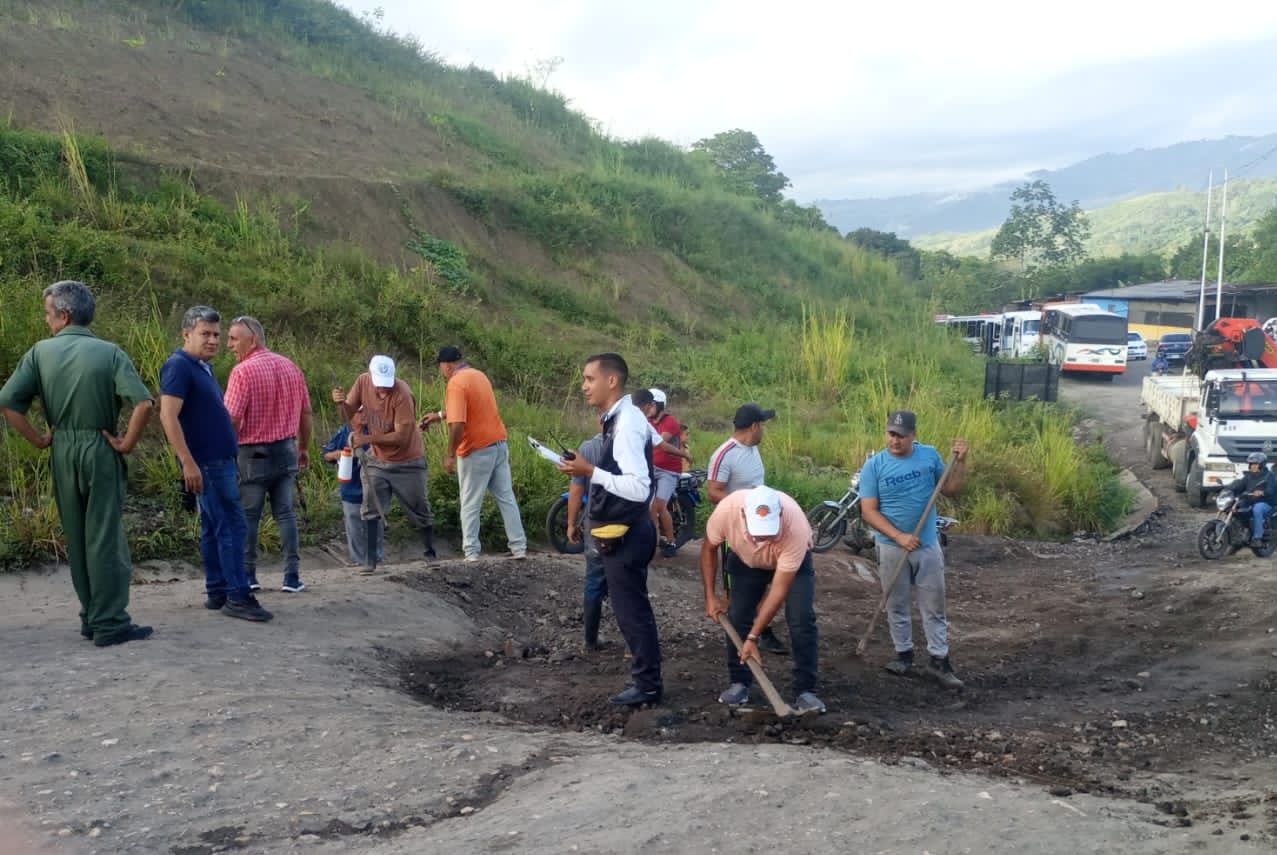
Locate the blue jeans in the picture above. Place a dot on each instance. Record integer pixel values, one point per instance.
(1258, 511)
(361, 533)
(270, 470)
(483, 470)
(222, 531)
(595, 573)
(749, 586)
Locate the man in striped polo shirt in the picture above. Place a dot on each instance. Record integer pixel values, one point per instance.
(269, 406)
(737, 465)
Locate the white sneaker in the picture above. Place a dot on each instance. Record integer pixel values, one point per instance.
(472, 558)
(519, 556)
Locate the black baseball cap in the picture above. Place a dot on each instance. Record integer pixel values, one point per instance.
(449, 353)
(642, 397)
(902, 422)
(749, 413)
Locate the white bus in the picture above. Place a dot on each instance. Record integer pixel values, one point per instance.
(976, 330)
(1082, 337)
(1020, 333)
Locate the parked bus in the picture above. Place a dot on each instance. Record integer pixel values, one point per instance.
(1020, 333)
(1082, 337)
(979, 331)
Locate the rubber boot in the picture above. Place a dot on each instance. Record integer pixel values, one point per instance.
(428, 541)
(591, 614)
(370, 557)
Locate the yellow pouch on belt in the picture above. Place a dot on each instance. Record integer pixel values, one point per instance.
(608, 537)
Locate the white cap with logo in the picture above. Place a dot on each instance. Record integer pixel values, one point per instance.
(658, 396)
(382, 369)
(762, 511)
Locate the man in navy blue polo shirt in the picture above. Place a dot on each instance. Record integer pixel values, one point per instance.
(199, 428)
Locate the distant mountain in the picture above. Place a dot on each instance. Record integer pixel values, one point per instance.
(1094, 183)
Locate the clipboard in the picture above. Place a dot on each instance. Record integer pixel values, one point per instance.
(546, 452)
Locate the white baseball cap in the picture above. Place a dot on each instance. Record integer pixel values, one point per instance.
(382, 369)
(762, 511)
(658, 396)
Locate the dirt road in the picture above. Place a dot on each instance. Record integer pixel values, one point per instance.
(1120, 697)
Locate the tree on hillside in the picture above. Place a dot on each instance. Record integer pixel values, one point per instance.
(1040, 231)
(1263, 261)
(744, 164)
(1100, 274)
(1239, 258)
(790, 213)
(960, 285)
(908, 260)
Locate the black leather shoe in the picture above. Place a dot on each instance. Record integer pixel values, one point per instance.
(87, 633)
(215, 602)
(133, 633)
(633, 696)
(769, 643)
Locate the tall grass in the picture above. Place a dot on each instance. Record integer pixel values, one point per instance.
(826, 349)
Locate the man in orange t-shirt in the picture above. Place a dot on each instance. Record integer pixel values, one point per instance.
(384, 409)
(477, 451)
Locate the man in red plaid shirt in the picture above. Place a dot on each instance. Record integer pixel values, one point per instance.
(269, 404)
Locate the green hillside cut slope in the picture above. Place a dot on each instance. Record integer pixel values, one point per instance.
(288, 161)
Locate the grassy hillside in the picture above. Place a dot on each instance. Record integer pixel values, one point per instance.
(370, 199)
(1155, 222)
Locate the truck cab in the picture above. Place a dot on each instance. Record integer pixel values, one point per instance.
(1236, 415)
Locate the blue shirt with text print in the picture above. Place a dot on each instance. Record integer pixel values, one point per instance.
(903, 486)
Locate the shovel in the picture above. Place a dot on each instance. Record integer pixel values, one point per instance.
(904, 558)
(783, 710)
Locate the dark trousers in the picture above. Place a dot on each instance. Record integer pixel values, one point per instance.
(748, 587)
(269, 470)
(626, 572)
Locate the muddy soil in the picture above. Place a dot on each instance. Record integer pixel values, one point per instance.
(1131, 669)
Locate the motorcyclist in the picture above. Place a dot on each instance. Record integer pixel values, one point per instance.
(1259, 486)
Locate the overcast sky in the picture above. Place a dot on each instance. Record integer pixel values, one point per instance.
(859, 99)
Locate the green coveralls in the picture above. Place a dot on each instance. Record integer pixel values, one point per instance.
(80, 379)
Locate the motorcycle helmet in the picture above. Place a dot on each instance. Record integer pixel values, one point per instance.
(1257, 457)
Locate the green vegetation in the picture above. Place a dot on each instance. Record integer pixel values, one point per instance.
(1152, 223)
(742, 299)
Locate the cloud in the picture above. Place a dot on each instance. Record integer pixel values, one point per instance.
(867, 99)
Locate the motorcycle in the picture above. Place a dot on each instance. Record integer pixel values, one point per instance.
(682, 505)
(1231, 529)
(842, 520)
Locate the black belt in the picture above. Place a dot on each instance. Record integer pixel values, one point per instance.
(272, 442)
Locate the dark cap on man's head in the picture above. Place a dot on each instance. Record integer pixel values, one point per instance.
(642, 397)
(449, 353)
(902, 421)
(750, 413)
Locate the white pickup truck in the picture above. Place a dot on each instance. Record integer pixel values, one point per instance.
(1203, 428)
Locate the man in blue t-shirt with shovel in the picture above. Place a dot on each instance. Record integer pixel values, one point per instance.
(898, 490)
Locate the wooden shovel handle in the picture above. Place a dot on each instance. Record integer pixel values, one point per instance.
(773, 697)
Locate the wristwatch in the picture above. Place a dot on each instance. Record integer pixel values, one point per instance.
(751, 637)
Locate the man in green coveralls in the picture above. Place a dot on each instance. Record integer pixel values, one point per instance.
(80, 380)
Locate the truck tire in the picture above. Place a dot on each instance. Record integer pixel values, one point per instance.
(1179, 464)
(1156, 458)
(1193, 490)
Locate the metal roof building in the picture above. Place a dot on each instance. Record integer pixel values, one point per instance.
(1153, 308)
